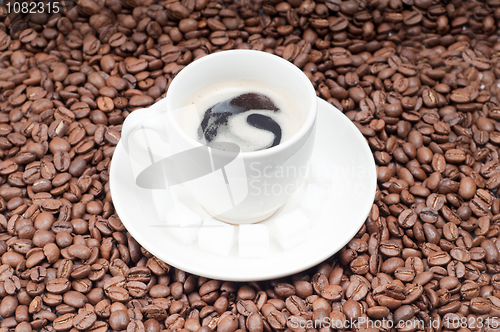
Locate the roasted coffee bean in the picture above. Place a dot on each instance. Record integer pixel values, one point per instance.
(439, 258)
(64, 322)
(276, 319)
(119, 319)
(332, 293)
(58, 285)
(84, 320)
(407, 218)
(352, 309)
(75, 299)
(117, 293)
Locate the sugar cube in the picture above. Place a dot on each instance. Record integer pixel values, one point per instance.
(163, 201)
(183, 223)
(216, 237)
(253, 241)
(320, 173)
(291, 229)
(312, 200)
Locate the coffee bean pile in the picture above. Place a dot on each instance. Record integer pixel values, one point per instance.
(419, 78)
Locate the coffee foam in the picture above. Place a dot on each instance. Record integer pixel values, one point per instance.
(238, 131)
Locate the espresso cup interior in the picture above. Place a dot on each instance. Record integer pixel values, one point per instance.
(243, 64)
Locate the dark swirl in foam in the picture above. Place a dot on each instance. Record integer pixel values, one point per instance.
(220, 122)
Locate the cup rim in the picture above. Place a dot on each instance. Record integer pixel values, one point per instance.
(303, 79)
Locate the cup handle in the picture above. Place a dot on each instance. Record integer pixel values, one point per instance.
(145, 152)
(137, 120)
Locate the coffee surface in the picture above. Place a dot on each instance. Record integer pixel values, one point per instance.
(218, 121)
(254, 115)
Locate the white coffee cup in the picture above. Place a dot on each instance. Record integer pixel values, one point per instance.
(235, 187)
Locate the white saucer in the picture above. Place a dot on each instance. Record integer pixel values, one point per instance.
(339, 146)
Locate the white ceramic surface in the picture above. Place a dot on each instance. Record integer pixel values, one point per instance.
(339, 146)
(237, 192)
